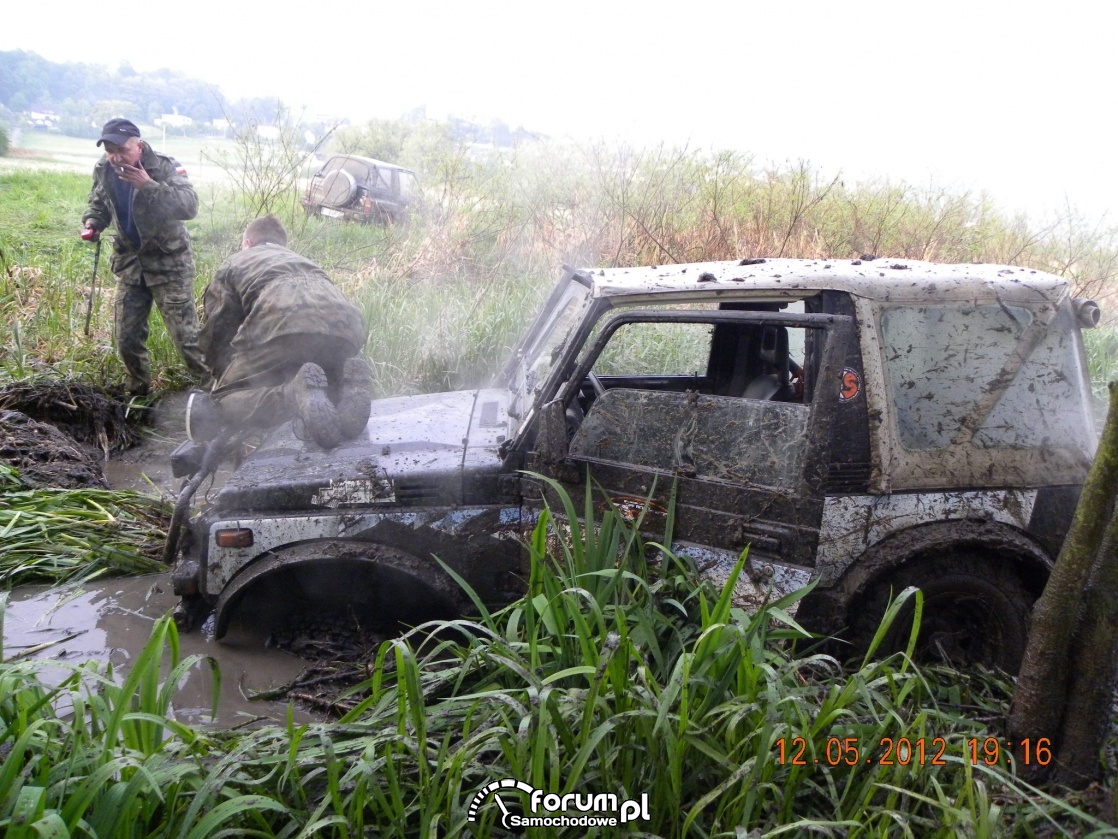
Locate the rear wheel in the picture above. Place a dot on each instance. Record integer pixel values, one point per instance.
(976, 611)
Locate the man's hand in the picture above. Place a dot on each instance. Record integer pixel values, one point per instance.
(90, 233)
(137, 176)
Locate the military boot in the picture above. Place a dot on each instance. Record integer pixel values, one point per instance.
(306, 396)
(356, 397)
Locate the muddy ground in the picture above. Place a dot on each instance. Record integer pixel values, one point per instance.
(66, 434)
(60, 434)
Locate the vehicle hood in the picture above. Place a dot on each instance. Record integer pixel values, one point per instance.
(415, 450)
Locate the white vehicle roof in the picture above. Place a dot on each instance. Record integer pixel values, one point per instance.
(886, 280)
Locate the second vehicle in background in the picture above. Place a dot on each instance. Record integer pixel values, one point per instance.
(362, 189)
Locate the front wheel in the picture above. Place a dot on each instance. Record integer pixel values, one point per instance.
(976, 611)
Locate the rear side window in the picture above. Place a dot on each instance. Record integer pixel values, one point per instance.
(1038, 408)
(408, 187)
(992, 376)
(379, 180)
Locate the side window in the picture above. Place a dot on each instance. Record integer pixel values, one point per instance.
(380, 180)
(940, 361)
(717, 401)
(656, 349)
(746, 360)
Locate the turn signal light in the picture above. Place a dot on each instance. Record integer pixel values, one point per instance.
(240, 537)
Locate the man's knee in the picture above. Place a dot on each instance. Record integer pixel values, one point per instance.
(178, 311)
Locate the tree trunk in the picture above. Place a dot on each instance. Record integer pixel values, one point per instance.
(1091, 688)
(1042, 687)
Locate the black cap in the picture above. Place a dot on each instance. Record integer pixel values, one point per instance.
(118, 131)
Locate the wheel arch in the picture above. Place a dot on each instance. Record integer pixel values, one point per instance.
(997, 541)
(388, 584)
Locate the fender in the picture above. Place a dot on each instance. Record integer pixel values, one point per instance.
(828, 606)
(386, 585)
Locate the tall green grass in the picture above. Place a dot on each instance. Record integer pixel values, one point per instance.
(619, 671)
(56, 535)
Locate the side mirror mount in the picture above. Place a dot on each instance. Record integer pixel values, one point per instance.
(1087, 312)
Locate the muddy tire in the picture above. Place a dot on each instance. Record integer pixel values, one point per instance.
(976, 611)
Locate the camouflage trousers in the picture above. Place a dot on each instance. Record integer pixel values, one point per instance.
(131, 313)
(249, 392)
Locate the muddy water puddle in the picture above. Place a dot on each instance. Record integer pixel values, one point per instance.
(111, 621)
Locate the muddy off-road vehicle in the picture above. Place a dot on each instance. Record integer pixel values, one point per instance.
(867, 424)
(361, 189)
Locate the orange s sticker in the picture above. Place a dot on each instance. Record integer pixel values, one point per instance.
(851, 384)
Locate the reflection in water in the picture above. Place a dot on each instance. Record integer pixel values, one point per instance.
(111, 620)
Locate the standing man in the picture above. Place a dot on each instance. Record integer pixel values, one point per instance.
(146, 197)
(283, 343)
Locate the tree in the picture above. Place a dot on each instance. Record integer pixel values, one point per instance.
(381, 139)
(1067, 676)
(264, 164)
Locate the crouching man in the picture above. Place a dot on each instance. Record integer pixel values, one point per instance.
(283, 343)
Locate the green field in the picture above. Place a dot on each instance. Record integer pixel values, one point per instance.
(39, 149)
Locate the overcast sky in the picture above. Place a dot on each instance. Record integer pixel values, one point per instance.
(1013, 98)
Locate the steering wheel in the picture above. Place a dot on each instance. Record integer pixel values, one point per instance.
(596, 383)
(575, 414)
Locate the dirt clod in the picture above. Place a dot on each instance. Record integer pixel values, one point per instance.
(100, 417)
(44, 456)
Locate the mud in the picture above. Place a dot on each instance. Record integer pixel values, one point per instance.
(46, 457)
(105, 419)
(111, 621)
(146, 466)
(308, 660)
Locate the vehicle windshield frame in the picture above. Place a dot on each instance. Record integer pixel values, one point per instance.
(537, 356)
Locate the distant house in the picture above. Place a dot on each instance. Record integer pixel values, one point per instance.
(268, 133)
(174, 121)
(41, 119)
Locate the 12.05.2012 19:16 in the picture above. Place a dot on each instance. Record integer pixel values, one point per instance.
(905, 751)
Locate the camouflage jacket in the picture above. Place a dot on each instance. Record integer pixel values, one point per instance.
(159, 209)
(268, 292)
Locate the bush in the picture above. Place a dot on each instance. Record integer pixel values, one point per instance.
(4, 142)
